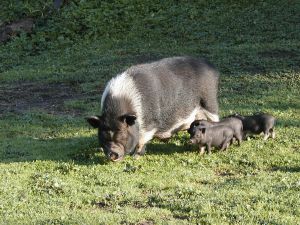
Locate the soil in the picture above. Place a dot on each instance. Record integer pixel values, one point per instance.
(22, 97)
(10, 30)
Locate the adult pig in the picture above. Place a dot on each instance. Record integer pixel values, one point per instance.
(154, 100)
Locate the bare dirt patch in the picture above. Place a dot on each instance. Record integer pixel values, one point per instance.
(10, 30)
(22, 97)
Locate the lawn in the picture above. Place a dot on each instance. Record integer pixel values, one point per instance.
(51, 168)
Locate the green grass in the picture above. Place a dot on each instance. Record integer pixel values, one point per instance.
(51, 169)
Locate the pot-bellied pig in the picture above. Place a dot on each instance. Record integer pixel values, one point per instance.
(154, 100)
(217, 136)
(234, 123)
(258, 123)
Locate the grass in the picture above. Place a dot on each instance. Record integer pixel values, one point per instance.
(52, 171)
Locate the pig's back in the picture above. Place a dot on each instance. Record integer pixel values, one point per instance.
(219, 134)
(171, 89)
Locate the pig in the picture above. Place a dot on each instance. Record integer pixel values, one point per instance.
(258, 123)
(154, 100)
(234, 123)
(218, 136)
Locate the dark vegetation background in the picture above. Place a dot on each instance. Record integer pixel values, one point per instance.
(226, 31)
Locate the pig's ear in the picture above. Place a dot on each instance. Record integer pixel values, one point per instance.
(203, 130)
(94, 121)
(128, 118)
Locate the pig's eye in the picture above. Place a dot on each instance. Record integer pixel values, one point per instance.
(105, 134)
(105, 128)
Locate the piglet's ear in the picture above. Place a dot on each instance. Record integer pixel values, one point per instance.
(203, 130)
(128, 118)
(94, 121)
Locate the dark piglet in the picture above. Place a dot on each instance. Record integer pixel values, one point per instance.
(234, 123)
(258, 123)
(216, 136)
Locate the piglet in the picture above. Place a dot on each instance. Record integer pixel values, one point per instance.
(234, 123)
(257, 124)
(216, 136)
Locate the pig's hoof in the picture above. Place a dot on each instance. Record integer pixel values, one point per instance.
(201, 152)
(137, 156)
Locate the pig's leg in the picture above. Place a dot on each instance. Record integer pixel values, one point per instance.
(201, 149)
(232, 140)
(239, 138)
(272, 131)
(225, 144)
(245, 135)
(208, 148)
(228, 144)
(266, 135)
(141, 146)
(140, 151)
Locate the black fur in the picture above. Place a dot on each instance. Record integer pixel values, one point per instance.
(234, 123)
(258, 123)
(217, 136)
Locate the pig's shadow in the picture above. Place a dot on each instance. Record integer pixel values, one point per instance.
(167, 148)
(295, 169)
(85, 150)
(80, 150)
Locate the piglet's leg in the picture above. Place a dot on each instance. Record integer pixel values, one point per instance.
(239, 138)
(228, 144)
(232, 140)
(225, 144)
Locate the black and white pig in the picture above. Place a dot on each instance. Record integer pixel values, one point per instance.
(217, 136)
(258, 123)
(154, 100)
(234, 123)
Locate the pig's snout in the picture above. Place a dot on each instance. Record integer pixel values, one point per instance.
(113, 156)
(115, 152)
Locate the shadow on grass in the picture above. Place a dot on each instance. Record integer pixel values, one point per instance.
(286, 169)
(81, 150)
(167, 148)
(287, 123)
(86, 151)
